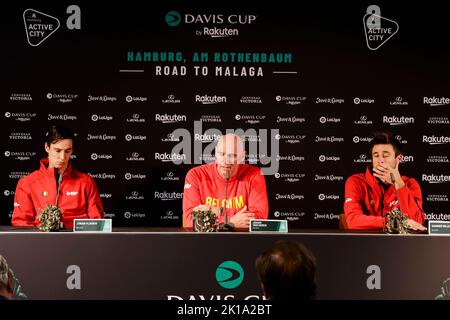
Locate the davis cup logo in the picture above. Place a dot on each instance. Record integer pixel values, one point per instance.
(322, 158)
(94, 117)
(355, 139)
(94, 156)
(229, 274)
(129, 98)
(237, 117)
(323, 119)
(173, 18)
(7, 114)
(128, 137)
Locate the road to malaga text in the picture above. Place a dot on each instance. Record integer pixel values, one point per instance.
(240, 61)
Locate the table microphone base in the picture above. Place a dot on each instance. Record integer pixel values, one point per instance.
(225, 227)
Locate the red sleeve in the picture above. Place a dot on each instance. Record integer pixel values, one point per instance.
(410, 198)
(94, 202)
(191, 198)
(353, 212)
(257, 201)
(24, 212)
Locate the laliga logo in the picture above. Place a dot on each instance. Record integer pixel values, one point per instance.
(377, 29)
(229, 274)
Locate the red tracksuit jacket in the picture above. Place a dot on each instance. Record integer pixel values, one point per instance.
(204, 185)
(78, 198)
(367, 202)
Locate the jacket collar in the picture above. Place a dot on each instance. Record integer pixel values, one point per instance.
(51, 172)
(232, 178)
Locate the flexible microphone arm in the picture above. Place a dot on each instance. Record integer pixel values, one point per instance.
(226, 226)
(395, 190)
(59, 187)
(227, 177)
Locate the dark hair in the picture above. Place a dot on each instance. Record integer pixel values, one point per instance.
(57, 133)
(386, 138)
(287, 271)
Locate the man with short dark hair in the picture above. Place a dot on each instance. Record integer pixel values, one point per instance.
(370, 195)
(287, 271)
(78, 196)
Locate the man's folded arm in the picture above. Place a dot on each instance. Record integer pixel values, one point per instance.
(353, 212)
(24, 211)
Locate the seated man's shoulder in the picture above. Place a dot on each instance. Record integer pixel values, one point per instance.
(360, 177)
(409, 181)
(78, 175)
(201, 169)
(250, 169)
(31, 177)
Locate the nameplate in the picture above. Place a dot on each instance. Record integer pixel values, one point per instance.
(257, 225)
(92, 225)
(439, 227)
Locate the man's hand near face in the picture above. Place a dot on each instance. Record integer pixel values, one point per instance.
(383, 172)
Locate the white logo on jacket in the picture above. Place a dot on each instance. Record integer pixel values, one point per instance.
(348, 200)
(187, 185)
(393, 203)
(72, 193)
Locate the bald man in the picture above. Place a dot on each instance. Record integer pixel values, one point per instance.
(205, 186)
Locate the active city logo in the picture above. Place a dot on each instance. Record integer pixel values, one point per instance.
(39, 26)
(377, 29)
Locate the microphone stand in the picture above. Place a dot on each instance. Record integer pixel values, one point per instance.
(61, 224)
(395, 190)
(225, 226)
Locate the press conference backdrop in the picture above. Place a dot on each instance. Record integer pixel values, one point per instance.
(144, 88)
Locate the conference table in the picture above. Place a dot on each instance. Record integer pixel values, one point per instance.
(176, 263)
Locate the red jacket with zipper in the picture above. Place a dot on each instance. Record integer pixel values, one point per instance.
(204, 185)
(367, 202)
(78, 197)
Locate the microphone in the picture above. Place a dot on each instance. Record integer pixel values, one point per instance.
(225, 226)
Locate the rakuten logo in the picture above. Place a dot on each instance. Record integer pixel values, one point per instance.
(432, 140)
(434, 178)
(395, 121)
(434, 101)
